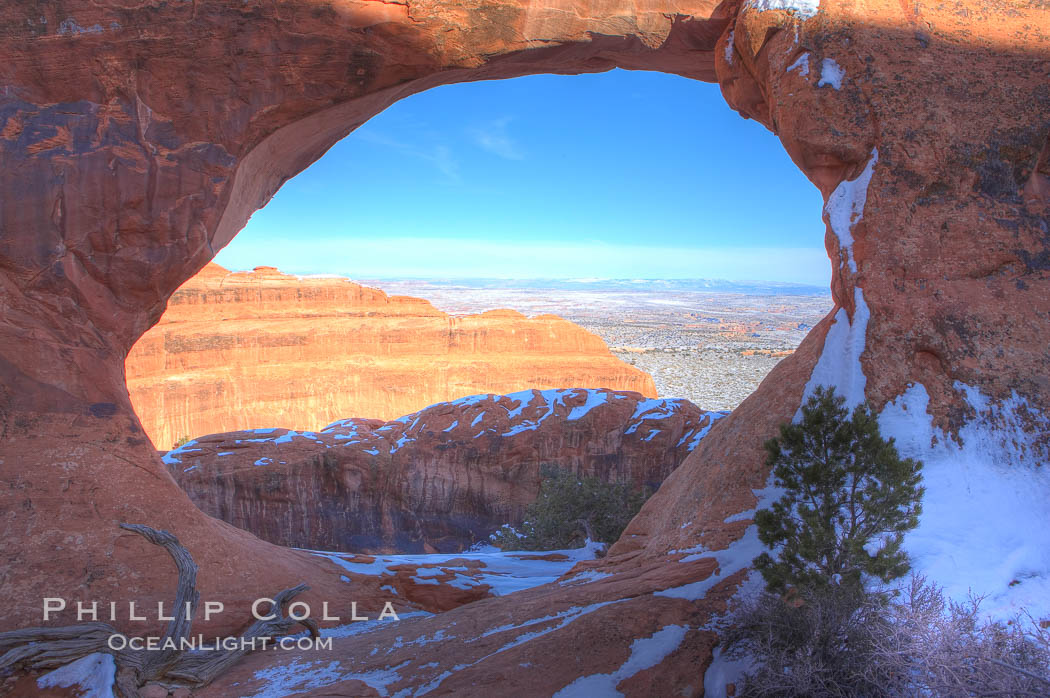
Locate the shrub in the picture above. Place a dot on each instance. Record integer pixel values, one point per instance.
(944, 648)
(570, 509)
(841, 641)
(819, 644)
(181, 441)
(848, 499)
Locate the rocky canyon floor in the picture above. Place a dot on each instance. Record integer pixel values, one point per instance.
(709, 342)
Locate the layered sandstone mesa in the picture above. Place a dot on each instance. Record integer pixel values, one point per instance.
(246, 350)
(137, 138)
(439, 480)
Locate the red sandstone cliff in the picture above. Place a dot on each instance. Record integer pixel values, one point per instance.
(441, 479)
(137, 138)
(246, 350)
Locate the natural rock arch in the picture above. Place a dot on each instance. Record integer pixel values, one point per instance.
(136, 139)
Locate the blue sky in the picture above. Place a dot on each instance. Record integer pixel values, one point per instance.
(617, 175)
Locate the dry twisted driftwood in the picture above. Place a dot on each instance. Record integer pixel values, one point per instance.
(47, 648)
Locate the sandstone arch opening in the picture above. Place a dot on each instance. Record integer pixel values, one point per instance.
(131, 170)
(240, 358)
(593, 197)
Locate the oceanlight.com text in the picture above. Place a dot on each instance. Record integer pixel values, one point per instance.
(119, 642)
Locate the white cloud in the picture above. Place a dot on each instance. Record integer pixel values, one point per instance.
(494, 138)
(437, 154)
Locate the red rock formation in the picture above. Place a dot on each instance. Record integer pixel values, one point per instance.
(137, 138)
(441, 479)
(248, 350)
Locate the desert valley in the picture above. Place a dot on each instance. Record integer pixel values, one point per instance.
(709, 342)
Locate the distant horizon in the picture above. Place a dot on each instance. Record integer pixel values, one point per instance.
(416, 258)
(564, 280)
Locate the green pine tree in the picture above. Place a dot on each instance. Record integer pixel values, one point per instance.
(849, 498)
(570, 508)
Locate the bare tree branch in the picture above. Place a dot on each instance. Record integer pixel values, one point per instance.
(47, 648)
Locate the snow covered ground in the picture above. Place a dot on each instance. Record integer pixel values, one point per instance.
(985, 526)
(505, 572)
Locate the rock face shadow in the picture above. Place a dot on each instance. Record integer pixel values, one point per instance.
(135, 142)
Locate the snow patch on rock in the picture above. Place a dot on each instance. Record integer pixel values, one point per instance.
(839, 363)
(653, 408)
(736, 557)
(594, 398)
(70, 27)
(801, 64)
(646, 652)
(471, 400)
(93, 675)
(550, 397)
(586, 576)
(803, 8)
(831, 74)
(173, 457)
(299, 676)
(697, 436)
(845, 206)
